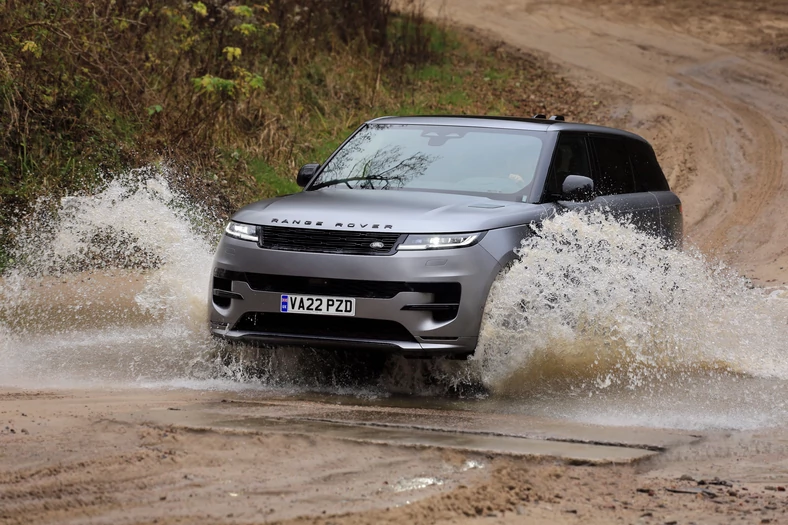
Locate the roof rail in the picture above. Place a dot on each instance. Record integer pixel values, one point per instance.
(558, 117)
(539, 115)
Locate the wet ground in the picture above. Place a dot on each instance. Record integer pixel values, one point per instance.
(650, 386)
(158, 455)
(634, 373)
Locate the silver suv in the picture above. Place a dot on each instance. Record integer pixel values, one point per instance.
(395, 241)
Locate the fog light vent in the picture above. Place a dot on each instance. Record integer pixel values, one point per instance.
(221, 284)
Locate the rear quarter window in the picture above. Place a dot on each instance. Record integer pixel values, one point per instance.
(615, 173)
(648, 174)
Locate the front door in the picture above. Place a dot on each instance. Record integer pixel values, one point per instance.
(571, 157)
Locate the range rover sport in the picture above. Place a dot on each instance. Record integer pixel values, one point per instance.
(396, 239)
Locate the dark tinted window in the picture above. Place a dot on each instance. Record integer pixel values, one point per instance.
(648, 175)
(570, 158)
(615, 173)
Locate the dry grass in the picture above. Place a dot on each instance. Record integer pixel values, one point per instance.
(238, 97)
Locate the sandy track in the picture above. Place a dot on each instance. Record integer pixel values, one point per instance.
(718, 116)
(98, 456)
(77, 458)
(716, 111)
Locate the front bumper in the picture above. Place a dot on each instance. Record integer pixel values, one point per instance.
(415, 319)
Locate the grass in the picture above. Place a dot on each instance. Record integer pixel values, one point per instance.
(238, 95)
(268, 180)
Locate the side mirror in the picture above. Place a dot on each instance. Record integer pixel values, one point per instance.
(306, 174)
(577, 188)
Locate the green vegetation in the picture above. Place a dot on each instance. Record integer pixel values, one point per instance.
(238, 94)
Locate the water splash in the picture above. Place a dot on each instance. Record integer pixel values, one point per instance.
(594, 304)
(596, 322)
(599, 323)
(108, 286)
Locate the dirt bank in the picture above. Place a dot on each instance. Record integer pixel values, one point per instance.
(702, 79)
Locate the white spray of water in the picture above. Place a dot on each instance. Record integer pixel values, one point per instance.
(596, 322)
(108, 286)
(594, 304)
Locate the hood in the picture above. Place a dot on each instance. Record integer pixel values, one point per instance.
(389, 210)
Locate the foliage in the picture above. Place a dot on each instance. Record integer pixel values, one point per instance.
(96, 85)
(238, 92)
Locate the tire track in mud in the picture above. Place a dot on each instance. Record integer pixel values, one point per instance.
(715, 115)
(756, 190)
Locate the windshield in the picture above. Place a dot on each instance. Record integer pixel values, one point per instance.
(436, 158)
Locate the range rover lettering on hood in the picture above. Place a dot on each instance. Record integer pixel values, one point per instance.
(370, 226)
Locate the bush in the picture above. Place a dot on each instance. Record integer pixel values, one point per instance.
(235, 95)
(92, 86)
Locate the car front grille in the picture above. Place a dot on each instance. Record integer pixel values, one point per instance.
(324, 326)
(328, 241)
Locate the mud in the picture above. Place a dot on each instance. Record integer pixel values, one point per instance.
(116, 408)
(175, 456)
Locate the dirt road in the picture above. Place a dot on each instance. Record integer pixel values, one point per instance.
(152, 456)
(702, 80)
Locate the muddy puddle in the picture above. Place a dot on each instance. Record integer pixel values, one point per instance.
(597, 324)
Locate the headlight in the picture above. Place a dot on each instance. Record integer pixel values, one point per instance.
(246, 232)
(439, 241)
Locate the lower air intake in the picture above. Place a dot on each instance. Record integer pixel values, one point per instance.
(305, 325)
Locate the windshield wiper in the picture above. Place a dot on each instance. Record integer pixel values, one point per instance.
(376, 178)
(333, 183)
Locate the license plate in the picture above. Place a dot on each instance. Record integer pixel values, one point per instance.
(318, 304)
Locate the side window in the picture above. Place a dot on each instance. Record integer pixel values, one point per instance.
(615, 173)
(648, 174)
(570, 158)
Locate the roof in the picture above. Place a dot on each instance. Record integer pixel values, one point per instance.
(481, 121)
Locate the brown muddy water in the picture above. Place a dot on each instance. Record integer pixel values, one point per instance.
(597, 324)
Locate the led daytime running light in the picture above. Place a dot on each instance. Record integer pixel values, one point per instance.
(245, 232)
(439, 241)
